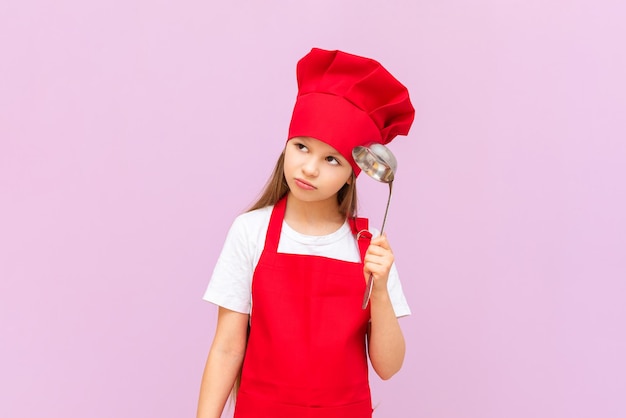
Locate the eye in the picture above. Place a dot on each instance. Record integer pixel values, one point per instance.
(332, 160)
(301, 147)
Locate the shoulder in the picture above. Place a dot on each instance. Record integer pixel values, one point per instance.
(232, 276)
(255, 220)
(257, 215)
(247, 232)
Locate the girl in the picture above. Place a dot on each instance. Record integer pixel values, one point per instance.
(290, 279)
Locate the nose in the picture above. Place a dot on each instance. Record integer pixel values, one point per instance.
(310, 168)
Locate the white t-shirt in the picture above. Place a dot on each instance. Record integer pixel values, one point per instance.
(231, 283)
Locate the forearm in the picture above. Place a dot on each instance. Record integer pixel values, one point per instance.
(385, 339)
(220, 372)
(224, 362)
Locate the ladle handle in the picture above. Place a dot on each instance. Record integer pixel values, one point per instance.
(370, 280)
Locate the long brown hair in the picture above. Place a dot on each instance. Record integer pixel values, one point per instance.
(275, 189)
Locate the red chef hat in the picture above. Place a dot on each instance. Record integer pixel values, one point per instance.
(345, 100)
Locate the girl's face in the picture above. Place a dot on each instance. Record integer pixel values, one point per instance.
(314, 170)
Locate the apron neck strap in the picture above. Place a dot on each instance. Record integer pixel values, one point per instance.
(363, 235)
(276, 225)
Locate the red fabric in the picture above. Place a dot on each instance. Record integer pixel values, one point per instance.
(306, 353)
(346, 100)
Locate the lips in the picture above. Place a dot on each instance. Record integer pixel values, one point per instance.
(304, 184)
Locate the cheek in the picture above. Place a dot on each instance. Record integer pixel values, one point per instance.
(286, 170)
(348, 176)
(287, 162)
(342, 179)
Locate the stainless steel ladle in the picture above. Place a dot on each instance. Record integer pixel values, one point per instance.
(378, 162)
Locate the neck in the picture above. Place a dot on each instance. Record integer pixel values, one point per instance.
(313, 218)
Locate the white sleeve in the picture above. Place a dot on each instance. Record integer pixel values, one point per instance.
(394, 287)
(231, 283)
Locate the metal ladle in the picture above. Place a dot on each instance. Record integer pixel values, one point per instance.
(378, 162)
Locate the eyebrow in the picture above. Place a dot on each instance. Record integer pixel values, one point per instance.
(307, 141)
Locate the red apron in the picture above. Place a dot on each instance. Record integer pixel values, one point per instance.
(306, 355)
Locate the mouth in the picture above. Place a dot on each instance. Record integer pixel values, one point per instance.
(304, 184)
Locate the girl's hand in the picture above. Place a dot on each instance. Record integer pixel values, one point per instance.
(378, 261)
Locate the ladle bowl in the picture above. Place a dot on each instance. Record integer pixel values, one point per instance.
(378, 162)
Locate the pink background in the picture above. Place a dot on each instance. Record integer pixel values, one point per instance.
(132, 132)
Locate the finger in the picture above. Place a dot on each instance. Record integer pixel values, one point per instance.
(378, 263)
(381, 241)
(378, 272)
(378, 251)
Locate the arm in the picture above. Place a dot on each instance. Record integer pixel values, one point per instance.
(385, 339)
(224, 362)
